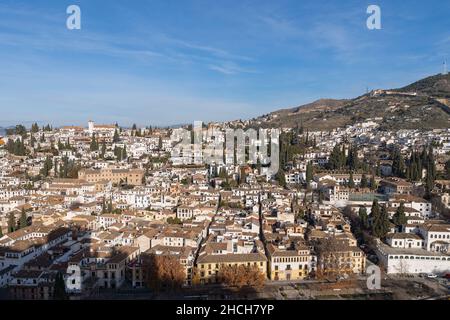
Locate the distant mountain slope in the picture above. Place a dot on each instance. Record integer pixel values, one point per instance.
(437, 86)
(421, 105)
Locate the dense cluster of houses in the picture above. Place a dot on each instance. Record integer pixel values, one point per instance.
(94, 226)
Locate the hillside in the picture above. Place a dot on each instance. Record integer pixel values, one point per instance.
(421, 105)
(437, 86)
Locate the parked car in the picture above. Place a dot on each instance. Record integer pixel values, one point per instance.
(432, 276)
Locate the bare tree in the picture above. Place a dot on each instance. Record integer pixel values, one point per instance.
(163, 272)
(241, 276)
(334, 258)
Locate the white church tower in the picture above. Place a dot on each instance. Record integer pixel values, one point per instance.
(91, 126)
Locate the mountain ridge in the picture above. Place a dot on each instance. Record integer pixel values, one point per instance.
(424, 104)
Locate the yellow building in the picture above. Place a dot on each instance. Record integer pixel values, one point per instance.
(350, 260)
(289, 264)
(209, 265)
(128, 176)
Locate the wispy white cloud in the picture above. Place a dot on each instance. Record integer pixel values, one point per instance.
(230, 68)
(43, 33)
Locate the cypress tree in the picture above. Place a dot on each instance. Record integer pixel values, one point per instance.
(352, 160)
(48, 165)
(11, 223)
(447, 169)
(32, 141)
(103, 149)
(380, 221)
(351, 182)
(309, 172)
(363, 217)
(124, 153)
(399, 217)
(398, 164)
(60, 145)
(281, 178)
(364, 182)
(104, 206)
(23, 219)
(34, 128)
(373, 183)
(110, 206)
(116, 137)
(337, 157)
(94, 144)
(59, 288)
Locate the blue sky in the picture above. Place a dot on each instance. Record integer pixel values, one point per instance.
(168, 62)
